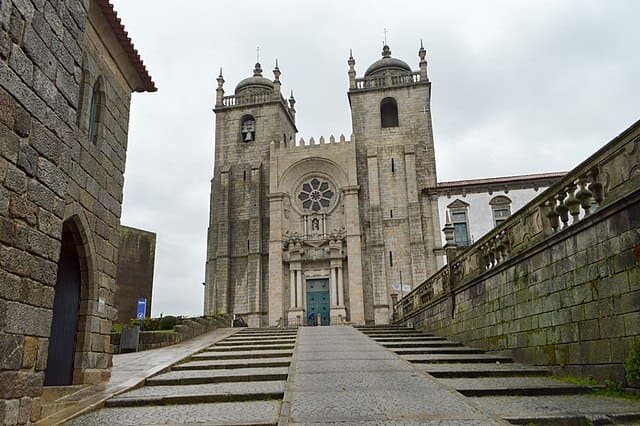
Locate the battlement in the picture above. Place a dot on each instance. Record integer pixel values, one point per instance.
(388, 80)
(312, 143)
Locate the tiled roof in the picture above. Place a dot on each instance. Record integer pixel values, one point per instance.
(127, 45)
(497, 180)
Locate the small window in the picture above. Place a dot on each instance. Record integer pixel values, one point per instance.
(248, 129)
(460, 224)
(388, 113)
(391, 259)
(94, 112)
(393, 166)
(501, 209)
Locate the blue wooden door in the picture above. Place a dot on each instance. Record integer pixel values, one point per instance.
(318, 300)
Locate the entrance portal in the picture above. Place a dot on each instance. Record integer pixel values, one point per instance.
(318, 300)
(64, 324)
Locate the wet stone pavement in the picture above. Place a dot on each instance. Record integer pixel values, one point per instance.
(342, 375)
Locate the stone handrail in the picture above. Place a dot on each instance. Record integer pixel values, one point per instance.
(607, 176)
(388, 80)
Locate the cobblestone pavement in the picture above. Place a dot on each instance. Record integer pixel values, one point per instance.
(517, 393)
(342, 377)
(239, 380)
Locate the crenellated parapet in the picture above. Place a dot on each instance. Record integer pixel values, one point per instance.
(312, 143)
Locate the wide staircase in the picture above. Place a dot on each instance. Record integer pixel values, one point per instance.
(519, 394)
(239, 380)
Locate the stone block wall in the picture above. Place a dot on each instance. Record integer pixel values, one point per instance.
(573, 304)
(136, 260)
(557, 284)
(53, 178)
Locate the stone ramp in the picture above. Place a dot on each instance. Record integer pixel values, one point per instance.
(519, 394)
(242, 384)
(342, 377)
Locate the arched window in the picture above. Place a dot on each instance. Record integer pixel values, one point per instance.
(388, 113)
(248, 128)
(94, 111)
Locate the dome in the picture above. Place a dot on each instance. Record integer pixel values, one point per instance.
(394, 65)
(257, 81)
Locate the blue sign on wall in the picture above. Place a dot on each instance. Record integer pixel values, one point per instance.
(142, 308)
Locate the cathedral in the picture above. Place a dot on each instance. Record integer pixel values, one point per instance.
(327, 231)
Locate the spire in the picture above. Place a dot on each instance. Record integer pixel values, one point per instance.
(219, 90)
(276, 81)
(422, 53)
(292, 103)
(352, 70)
(276, 72)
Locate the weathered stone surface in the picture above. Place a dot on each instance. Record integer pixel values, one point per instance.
(17, 384)
(11, 350)
(28, 320)
(29, 352)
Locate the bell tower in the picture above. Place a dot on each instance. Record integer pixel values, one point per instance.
(391, 120)
(237, 253)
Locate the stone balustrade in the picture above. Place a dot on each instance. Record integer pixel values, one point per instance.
(253, 98)
(388, 80)
(610, 173)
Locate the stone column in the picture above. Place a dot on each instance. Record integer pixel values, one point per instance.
(292, 288)
(354, 254)
(276, 267)
(333, 286)
(299, 288)
(340, 298)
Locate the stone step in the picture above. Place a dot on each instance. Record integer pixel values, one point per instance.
(224, 348)
(55, 393)
(267, 331)
(449, 350)
(242, 354)
(408, 339)
(454, 358)
(257, 413)
(398, 334)
(232, 364)
(513, 386)
(431, 344)
(472, 370)
(584, 409)
(204, 393)
(259, 339)
(241, 343)
(195, 377)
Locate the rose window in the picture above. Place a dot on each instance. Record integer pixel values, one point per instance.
(315, 195)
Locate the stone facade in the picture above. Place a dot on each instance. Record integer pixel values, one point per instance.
(476, 206)
(556, 284)
(67, 71)
(347, 216)
(134, 278)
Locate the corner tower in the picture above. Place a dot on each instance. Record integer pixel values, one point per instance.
(391, 119)
(237, 246)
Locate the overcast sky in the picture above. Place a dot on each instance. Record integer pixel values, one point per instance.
(517, 87)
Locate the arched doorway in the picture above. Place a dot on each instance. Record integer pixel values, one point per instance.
(64, 324)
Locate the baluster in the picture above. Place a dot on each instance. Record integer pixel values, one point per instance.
(552, 215)
(561, 209)
(584, 196)
(595, 186)
(573, 204)
(506, 244)
(497, 249)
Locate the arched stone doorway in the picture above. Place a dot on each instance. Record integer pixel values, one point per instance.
(66, 304)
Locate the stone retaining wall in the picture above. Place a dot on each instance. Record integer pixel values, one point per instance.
(547, 288)
(186, 329)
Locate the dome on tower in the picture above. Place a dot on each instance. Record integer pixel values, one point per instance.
(255, 82)
(387, 63)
